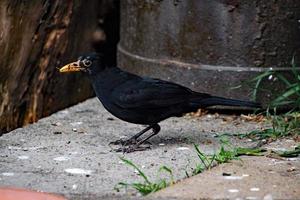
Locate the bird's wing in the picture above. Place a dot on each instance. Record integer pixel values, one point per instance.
(149, 93)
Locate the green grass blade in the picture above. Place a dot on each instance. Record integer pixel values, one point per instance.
(287, 94)
(169, 171)
(128, 162)
(255, 90)
(201, 156)
(240, 151)
(283, 79)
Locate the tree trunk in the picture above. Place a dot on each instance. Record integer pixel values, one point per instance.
(36, 37)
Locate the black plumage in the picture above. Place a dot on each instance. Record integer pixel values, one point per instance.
(143, 100)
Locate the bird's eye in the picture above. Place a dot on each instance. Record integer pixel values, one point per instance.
(86, 62)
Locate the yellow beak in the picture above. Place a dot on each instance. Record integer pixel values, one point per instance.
(71, 67)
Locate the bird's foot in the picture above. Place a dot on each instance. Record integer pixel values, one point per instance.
(132, 148)
(127, 142)
(124, 142)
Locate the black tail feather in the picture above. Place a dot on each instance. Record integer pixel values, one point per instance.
(213, 101)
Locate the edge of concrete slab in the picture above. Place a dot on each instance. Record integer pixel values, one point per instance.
(252, 178)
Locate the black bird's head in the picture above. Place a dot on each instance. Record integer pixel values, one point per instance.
(90, 63)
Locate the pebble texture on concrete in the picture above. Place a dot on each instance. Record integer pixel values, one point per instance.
(254, 178)
(68, 153)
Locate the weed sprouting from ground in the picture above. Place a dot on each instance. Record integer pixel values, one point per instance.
(147, 186)
(285, 124)
(226, 153)
(291, 94)
(205, 164)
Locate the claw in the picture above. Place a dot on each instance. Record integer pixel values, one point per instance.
(132, 148)
(117, 142)
(123, 142)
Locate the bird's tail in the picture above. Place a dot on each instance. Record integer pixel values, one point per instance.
(213, 100)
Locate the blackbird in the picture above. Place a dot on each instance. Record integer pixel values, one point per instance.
(142, 100)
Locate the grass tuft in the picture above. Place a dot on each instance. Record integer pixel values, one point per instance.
(283, 125)
(146, 186)
(226, 153)
(286, 124)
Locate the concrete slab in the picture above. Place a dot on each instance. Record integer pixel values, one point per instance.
(68, 153)
(254, 178)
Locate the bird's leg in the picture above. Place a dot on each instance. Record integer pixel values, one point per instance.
(137, 146)
(133, 139)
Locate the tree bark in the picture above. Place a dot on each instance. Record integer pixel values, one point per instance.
(36, 37)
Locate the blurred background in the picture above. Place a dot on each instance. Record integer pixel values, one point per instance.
(208, 45)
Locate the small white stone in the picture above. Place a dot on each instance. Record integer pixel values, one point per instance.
(8, 174)
(61, 158)
(161, 144)
(74, 187)
(245, 175)
(183, 148)
(14, 148)
(233, 190)
(254, 189)
(23, 157)
(75, 123)
(78, 171)
(233, 177)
